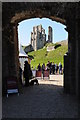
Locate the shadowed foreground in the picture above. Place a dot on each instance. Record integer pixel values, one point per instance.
(45, 100)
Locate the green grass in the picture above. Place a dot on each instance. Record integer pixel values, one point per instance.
(50, 44)
(42, 56)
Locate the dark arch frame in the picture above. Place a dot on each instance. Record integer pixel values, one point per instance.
(66, 13)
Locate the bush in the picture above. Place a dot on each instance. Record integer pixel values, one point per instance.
(57, 45)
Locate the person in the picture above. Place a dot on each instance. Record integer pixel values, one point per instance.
(39, 67)
(60, 68)
(43, 69)
(27, 73)
(48, 65)
(53, 67)
(56, 68)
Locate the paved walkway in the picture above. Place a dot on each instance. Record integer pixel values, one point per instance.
(45, 100)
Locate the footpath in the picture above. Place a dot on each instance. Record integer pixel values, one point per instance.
(45, 100)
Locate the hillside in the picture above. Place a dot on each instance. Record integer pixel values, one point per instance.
(63, 42)
(42, 56)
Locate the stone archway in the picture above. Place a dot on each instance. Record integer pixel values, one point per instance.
(65, 13)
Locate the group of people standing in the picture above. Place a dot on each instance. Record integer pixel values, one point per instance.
(51, 66)
(27, 73)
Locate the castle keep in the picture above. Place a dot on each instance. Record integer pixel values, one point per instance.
(38, 37)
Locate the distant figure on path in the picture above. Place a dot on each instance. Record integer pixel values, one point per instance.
(43, 69)
(48, 65)
(39, 67)
(27, 73)
(56, 68)
(53, 67)
(60, 68)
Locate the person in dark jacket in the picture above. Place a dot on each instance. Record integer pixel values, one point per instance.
(43, 69)
(53, 67)
(56, 68)
(27, 73)
(39, 67)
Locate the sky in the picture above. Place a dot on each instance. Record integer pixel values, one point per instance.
(26, 27)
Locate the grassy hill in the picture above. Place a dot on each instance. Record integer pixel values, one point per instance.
(42, 56)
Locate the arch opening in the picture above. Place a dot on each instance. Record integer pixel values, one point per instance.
(62, 61)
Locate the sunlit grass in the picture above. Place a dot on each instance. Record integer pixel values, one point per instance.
(42, 56)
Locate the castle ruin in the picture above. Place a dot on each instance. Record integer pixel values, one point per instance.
(38, 37)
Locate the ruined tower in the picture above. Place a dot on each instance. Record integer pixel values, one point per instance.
(50, 34)
(38, 37)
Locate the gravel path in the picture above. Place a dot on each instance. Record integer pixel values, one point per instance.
(45, 100)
